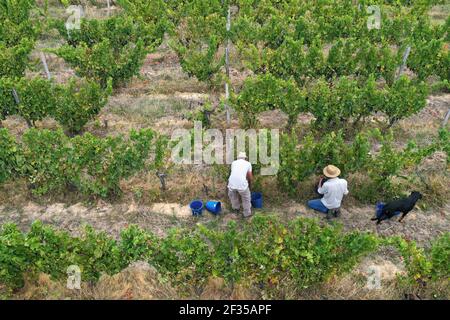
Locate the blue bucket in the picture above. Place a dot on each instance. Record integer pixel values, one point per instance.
(379, 209)
(196, 207)
(257, 200)
(214, 207)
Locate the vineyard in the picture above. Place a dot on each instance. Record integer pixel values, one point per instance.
(91, 92)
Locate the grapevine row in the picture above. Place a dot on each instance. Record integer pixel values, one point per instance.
(52, 162)
(265, 252)
(72, 104)
(303, 158)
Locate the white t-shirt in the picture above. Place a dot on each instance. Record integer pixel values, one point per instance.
(238, 176)
(333, 191)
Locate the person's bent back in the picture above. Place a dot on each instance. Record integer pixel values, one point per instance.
(239, 184)
(333, 191)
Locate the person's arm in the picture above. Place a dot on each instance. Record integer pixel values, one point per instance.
(249, 175)
(321, 181)
(322, 189)
(249, 178)
(345, 193)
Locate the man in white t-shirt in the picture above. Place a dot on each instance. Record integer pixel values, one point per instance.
(239, 184)
(333, 191)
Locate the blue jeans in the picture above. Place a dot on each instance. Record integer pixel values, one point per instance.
(317, 205)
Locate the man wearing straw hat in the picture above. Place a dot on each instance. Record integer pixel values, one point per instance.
(239, 184)
(333, 191)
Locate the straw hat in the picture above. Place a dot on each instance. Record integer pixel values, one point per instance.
(331, 171)
(242, 155)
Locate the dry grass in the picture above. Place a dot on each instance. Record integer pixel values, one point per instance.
(137, 282)
(439, 13)
(425, 125)
(217, 289)
(132, 284)
(140, 281)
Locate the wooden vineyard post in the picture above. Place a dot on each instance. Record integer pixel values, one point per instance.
(17, 100)
(405, 58)
(227, 66)
(44, 62)
(162, 179)
(15, 96)
(447, 116)
(109, 6)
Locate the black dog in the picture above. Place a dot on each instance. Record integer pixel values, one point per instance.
(404, 205)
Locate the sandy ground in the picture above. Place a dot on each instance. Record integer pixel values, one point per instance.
(421, 226)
